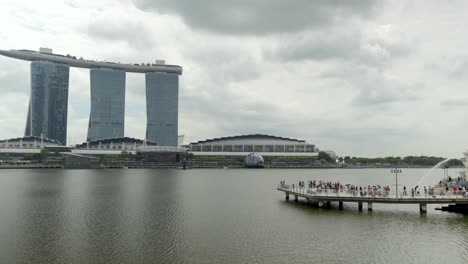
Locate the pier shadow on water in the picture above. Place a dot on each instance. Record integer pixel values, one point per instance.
(370, 232)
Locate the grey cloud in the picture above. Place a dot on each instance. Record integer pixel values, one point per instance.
(455, 102)
(315, 45)
(223, 60)
(455, 67)
(133, 32)
(72, 3)
(368, 85)
(353, 133)
(233, 114)
(261, 16)
(14, 76)
(335, 43)
(380, 90)
(238, 69)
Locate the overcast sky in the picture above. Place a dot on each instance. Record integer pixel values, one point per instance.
(362, 78)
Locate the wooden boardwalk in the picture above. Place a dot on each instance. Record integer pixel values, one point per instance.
(325, 198)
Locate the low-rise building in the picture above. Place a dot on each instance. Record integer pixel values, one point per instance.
(243, 145)
(122, 144)
(28, 142)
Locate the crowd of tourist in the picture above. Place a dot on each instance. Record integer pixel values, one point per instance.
(328, 187)
(449, 181)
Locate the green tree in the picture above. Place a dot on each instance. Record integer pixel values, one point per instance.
(44, 154)
(324, 156)
(6, 157)
(190, 156)
(28, 156)
(139, 156)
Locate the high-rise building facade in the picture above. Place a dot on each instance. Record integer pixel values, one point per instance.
(47, 112)
(107, 116)
(48, 105)
(162, 115)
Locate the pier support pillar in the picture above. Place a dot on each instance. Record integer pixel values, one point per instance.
(340, 205)
(369, 206)
(423, 208)
(287, 196)
(328, 204)
(360, 206)
(320, 203)
(296, 198)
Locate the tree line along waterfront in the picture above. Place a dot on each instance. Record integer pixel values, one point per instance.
(321, 160)
(325, 160)
(428, 161)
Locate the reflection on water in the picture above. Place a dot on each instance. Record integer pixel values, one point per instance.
(41, 220)
(211, 216)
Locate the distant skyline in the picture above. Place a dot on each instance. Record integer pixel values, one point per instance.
(362, 78)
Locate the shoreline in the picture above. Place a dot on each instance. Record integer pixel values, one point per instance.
(211, 166)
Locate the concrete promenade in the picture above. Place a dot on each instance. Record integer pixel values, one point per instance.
(325, 198)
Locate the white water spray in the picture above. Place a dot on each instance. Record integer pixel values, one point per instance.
(430, 178)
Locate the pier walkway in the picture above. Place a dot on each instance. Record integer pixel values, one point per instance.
(311, 195)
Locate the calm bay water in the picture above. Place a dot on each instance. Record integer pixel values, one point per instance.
(212, 216)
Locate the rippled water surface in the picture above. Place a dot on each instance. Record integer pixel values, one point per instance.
(212, 216)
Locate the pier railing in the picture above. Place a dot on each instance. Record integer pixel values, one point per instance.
(435, 193)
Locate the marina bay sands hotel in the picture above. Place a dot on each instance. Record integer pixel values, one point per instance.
(47, 113)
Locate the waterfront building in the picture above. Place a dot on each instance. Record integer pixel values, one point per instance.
(48, 105)
(16, 148)
(28, 143)
(162, 96)
(119, 144)
(158, 154)
(243, 145)
(47, 113)
(254, 150)
(79, 161)
(107, 114)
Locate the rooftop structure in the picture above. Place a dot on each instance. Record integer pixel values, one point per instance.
(47, 55)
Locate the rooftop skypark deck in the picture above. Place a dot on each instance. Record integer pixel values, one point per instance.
(73, 61)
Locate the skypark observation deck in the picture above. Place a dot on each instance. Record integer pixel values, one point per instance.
(72, 61)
